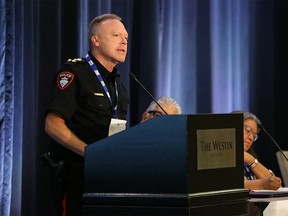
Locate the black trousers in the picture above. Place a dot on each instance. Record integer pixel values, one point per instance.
(67, 190)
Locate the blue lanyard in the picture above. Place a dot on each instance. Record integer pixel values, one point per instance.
(248, 173)
(94, 68)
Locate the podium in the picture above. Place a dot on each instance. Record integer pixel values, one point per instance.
(170, 165)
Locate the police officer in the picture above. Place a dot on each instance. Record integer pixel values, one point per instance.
(86, 94)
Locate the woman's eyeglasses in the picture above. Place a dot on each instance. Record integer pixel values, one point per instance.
(155, 113)
(249, 131)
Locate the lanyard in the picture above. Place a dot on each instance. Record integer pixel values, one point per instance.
(248, 173)
(94, 68)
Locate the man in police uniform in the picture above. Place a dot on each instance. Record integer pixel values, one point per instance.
(87, 94)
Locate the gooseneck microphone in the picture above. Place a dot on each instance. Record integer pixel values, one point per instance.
(133, 76)
(262, 127)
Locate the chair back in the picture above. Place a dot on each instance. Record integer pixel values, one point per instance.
(283, 166)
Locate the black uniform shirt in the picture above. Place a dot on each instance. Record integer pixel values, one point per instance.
(79, 97)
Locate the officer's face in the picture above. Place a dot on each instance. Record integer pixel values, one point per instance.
(113, 39)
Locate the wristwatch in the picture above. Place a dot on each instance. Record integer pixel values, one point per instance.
(254, 163)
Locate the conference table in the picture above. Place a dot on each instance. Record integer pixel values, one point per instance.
(273, 203)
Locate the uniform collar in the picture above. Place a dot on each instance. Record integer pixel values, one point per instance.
(103, 71)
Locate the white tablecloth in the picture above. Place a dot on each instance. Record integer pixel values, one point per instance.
(277, 208)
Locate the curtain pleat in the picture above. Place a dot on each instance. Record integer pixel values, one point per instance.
(6, 104)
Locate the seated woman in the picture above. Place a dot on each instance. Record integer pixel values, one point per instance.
(256, 175)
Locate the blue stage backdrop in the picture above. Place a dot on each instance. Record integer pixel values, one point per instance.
(212, 56)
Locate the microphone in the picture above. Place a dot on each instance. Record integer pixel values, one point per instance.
(133, 76)
(262, 127)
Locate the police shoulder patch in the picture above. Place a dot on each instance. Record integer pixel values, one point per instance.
(64, 79)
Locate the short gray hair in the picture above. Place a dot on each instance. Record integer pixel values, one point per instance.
(94, 24)
(249, 115)
(165, 100)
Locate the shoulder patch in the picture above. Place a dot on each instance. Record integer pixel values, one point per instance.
(74, 61)
(64, 79)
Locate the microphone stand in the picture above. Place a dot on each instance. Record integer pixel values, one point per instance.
(133, 76)
(262, 127)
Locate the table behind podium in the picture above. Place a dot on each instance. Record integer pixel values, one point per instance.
(170, 165)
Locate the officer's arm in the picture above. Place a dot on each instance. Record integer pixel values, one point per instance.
(56, 128)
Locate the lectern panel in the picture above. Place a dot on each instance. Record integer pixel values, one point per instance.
(170, 165)
(169, 154)
(148, 158)
(215, 149)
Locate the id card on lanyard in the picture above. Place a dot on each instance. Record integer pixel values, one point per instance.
(95, 69)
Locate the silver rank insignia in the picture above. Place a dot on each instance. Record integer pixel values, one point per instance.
(75, 60)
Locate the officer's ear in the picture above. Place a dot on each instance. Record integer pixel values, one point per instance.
(95, 41)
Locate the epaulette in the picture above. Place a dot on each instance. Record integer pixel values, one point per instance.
(74, 61)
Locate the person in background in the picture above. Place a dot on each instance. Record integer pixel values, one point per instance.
(256, 175)
(167, 103)
(87, 94)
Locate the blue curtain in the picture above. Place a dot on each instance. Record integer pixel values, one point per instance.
(9, 134)
(212, 56)
(230, 30)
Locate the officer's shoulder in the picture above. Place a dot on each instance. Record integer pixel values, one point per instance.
(75, 61)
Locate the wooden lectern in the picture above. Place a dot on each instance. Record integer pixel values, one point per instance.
(170, 165)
